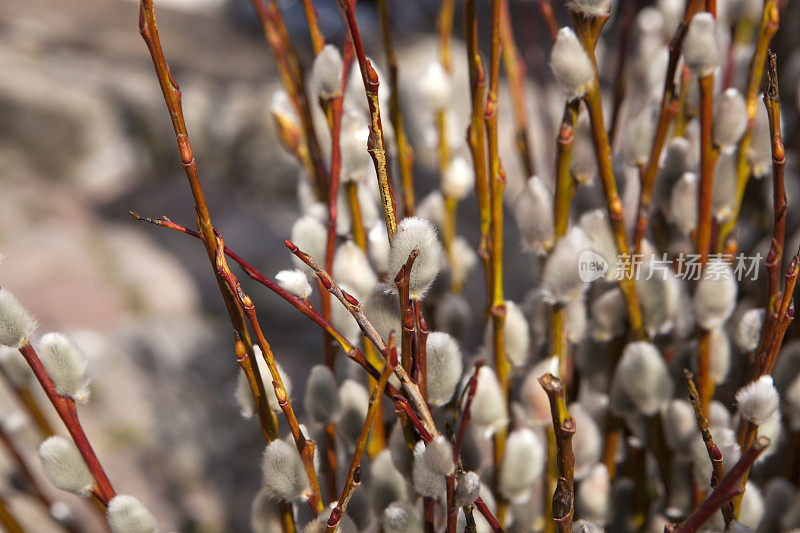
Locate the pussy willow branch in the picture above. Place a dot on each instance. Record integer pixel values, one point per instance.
(784, 318)
(767, 28)
(564, 426)
(317, 40)
(68, 413)
(466, 411)
(514, 67)
(670, 103)
(401, 280)
(25, 397)
(621, 75)
(714, 454)
(405, 154)
(549, 18)
(372, 412)
(588, 31)
(444, 27)
(728, 487)
(304, 446)
(476, 136)
(293, 79)
(352, 305)
(376, 142)
(172, 97)
(708, 157)
(421, 327)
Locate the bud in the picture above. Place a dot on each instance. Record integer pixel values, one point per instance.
(426, 482)
(757, 401)
(284, 472)
(730, 118)
(311, 236)
(64, 466)
(458, 179)
(294, 282)
(16, 322)
(609, 315)
(353, 146)
(523, 464)
(321, 400)
(355, 402)
(700, 50)
(444, 367)
(715, 296)
(748, 331)
(15, 367)
(683, 203)
(351, 268)
(488, 405)
(569, 62)
(534, 215)
(244, 396)
(66, 365)
(378, 248)
(593, 498)
(642, 377)
(468, 489)
(387, 484)
(400, 517)
(561, 280)
(587, 442)
(464, 260)
(355, 95)
(435, 87)
(326, 73)
(416, 233)
(680, 426)
(126, 514)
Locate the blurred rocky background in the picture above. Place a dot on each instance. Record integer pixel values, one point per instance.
(85, 137)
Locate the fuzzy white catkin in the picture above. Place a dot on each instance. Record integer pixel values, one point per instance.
(378, 248)
(638, 139)
(575, 320)
(264, 517)
(283, 469)
(355, 403)
(609, 315)
(715, 296)
(523, 463)
(593, 495)
(464, 261)
(724, 192)
(326, 73)
(320, 523)
(683, 203)
(353, 146)
(751, 511)
(570, 63)
(438, 456)
(590, 8)
(309, 235)
(720, 355)
(458, 179)
(700, 48)
(467, 489)
(488, 405)
(127, 514)
(400, 517)
(66, 365)
(351, 268)
(561, 280)
(16, 322)
(533, 213)
(730, 118)
(382, 308)
(244, 396)
(444, 367)
(600, 237)
(680, 426)
(748, 330)
(295, 282)
(387, 484)
(398, 450)
(281, 106)
(517, 337)
(758, 400)
(426, 482)
(15, 367)
(643, 376)
(435, 87)
(64, 466)
(659, 295)
(321, 400)
(416, 233)
(584, 526)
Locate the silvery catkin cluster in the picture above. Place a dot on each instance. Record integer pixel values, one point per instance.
(646, 374)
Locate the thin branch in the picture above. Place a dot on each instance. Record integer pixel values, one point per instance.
(466, 412)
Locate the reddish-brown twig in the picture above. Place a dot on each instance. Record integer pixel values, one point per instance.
(466, 411)
(564, 426)
(68, 413)
(361, 442)
(728, 487)
(401, 280)
(708, 157)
